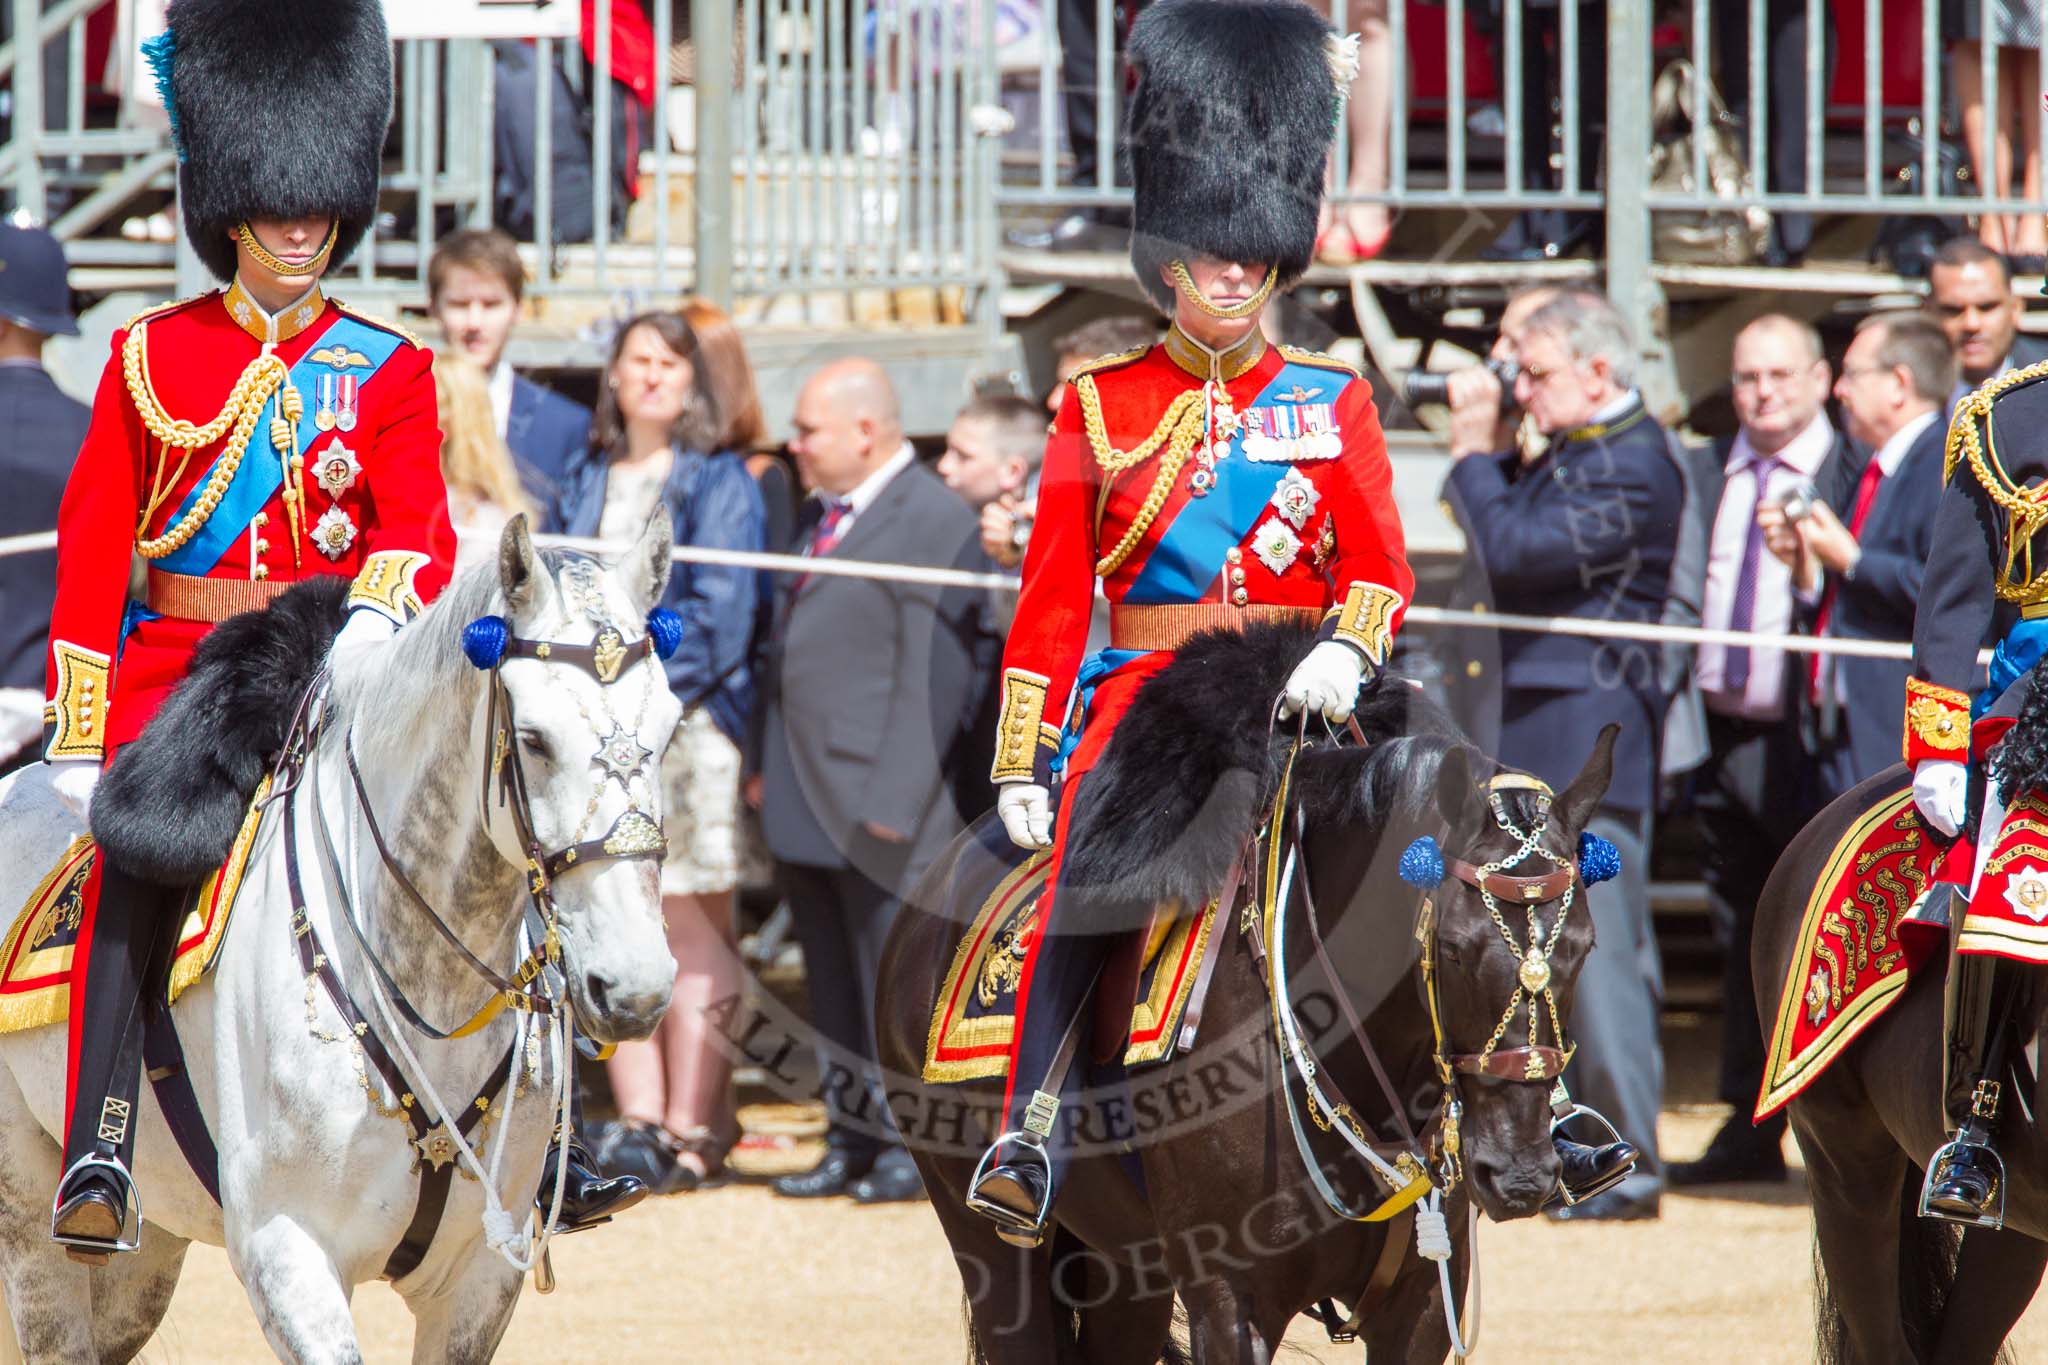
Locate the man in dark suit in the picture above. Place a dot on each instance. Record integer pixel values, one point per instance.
(44, 430)
(1969, 292)
(868, 701)
(1754, 786)
(475, 283)
(1587, 529)
(1861, 568)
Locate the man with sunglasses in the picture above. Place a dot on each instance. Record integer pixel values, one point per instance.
(1587, 527)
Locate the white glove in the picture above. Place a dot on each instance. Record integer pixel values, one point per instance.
(1939, 785)
(73, 783)
(1326, 681)
(1025, 809)
(363, 629)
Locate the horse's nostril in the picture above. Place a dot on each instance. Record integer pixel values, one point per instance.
(599, 990)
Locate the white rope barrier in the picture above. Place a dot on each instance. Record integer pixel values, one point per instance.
(997, 582)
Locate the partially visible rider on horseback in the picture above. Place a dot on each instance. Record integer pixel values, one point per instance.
(1980, 767)
(1209, 481)
(241, 441)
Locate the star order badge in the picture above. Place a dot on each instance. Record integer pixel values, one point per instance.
(1276, 545)
(621, 753)
(1296, 498)
(338, 469)
(334, 533)
(2027, 893)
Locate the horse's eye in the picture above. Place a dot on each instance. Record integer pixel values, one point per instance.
(1450, 952)
(536, 746)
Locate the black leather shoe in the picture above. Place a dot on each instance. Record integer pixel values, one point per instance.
(895, 1183)
(1611, 1207)
(834, 1175)
(588, 1196)
(1586, 1172)
(92, 1210)
(1739, 1153)
(1012, 1195)
(1963, 1187)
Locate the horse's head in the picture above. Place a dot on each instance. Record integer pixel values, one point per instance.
(578, 719)
(1504, 934)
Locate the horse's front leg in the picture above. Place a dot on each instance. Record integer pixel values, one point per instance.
(1224, 1326)
(47, 1294)
(297, 1293)
(461, 1317)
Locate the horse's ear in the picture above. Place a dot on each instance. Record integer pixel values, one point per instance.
(520, 572)
(1457, 792)
(1575, 806)
(645, 569)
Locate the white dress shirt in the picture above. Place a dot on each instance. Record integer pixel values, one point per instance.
(863, 494)
(1763, 697)
(499, 385)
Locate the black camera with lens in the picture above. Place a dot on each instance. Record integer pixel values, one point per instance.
(1434, 386)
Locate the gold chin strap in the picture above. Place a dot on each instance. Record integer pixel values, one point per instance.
(277, 265)
(1186, 284)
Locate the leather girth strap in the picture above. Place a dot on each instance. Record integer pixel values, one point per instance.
(435, 1177)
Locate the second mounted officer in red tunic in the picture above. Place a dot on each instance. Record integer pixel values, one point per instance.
(241, 441)
(1203, 483)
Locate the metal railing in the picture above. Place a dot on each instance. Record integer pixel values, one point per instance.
(843, 132)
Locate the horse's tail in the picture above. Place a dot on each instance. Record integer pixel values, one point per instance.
(1929, 1249)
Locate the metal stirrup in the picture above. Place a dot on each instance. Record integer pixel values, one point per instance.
(131, 1209)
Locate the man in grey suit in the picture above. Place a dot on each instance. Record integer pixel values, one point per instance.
(870, 691)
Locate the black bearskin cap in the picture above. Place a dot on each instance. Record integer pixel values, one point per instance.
(278, 109)
(1231, 123)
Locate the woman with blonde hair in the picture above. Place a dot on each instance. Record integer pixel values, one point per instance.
(483, 483)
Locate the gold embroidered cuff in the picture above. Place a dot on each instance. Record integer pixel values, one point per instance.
(1937, 722)
(1364, 620)
(1023, 729)
(385, 584)
(77, 709)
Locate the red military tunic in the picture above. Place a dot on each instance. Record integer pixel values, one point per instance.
(1326, 544)
(365, 499)
(1202, 491)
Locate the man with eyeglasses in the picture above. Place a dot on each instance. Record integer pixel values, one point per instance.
(1859, 555)
(1588, 528)
(1755, 783)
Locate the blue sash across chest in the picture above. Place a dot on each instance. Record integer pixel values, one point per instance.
(261, 473)
(1189, 553)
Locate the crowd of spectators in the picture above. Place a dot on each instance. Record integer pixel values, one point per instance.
(838, 728)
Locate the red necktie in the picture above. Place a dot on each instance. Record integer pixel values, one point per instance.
(1866, 494)
(826, 535)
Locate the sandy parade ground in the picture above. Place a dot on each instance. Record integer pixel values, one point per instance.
(738, 1275)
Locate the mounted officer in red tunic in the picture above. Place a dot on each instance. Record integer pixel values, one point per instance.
(1980, 766)
(240, 442)
(1205, 482)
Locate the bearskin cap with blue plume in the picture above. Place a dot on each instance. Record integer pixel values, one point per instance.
(1235, 109)
(278, 110)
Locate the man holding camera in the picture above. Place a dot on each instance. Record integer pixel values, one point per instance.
(1754, 786)
(1860, 571)
(1588, 528)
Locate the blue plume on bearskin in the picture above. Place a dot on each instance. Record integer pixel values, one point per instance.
(1422, 864)
(281, 109)
(160, 52)
(667, 629)
(1231, 124)
(483, 641)
(1599, 860)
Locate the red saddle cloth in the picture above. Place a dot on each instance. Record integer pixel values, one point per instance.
(1857, 945)
(2008, 915)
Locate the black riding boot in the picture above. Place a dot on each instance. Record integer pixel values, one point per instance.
(589, 1196)
(1966, 1178)
(134, 923)
(1586, 1169)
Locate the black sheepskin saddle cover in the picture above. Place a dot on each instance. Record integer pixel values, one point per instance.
(1192, 764)
(170, 804)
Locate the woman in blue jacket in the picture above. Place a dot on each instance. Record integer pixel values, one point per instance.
(659, 438)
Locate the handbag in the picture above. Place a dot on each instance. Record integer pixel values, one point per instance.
(1906, 243)
(1732, 236)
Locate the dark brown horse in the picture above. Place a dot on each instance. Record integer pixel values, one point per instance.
(1186, 1179)
(1893, 1286)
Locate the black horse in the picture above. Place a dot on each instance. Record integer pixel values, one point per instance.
(1187, 1179)
(1893, 1286)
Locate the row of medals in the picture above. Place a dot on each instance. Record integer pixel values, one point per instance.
(1219, 430)
(338, 467)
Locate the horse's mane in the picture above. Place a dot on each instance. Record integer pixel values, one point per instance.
(1193, 762)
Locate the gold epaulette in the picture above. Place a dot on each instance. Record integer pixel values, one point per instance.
(160, 309)
(1108, 362)
(375, 321)
(1301, 355)
(1977, 404)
